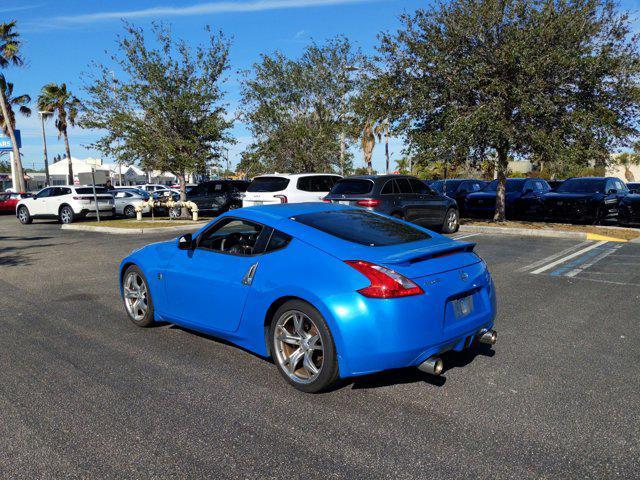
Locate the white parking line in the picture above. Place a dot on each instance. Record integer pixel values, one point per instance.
(568, 257)
(466, 236)
(551, 258)
(591, 263)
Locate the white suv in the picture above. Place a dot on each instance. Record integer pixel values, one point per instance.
(67, 203)
(305, 187)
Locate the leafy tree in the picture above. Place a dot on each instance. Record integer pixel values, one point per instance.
(59, 101)
(166, 110)
(546, 79)
(298, 110)
(11, 101)
(9, 55)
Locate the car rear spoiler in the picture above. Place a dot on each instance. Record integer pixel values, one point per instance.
(415, 256)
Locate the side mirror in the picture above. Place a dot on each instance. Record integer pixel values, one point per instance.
(185, 242)
(612, 191)
(528, 190)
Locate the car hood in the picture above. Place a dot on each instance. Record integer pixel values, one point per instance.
(554, 196)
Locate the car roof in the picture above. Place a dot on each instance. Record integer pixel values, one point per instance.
(276, 212)
(294, 175)
(376, 177)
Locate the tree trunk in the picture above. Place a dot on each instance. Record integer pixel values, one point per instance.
(18, 182)
(386, 146)
(502, 165)
(44, 149)
(66, 146)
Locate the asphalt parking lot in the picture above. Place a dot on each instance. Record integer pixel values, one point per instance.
(84, 393)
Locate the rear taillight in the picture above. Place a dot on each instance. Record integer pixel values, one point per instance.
(326, 200)
(385, 283)
(283, 198)
(368, 202)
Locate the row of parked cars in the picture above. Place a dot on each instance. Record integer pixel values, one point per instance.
(436, 205)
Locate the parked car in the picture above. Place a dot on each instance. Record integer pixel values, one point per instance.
(458, 189)
(585, 200)
(307, 187)
(399, 196)
(126, 201)
(629, 209)
(67, 203)
(9, 200)
(633, 187)
(218, 195)
(384, 293)
(156, 190)
(522, 198)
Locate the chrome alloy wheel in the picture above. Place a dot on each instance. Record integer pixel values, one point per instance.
(298, 346)
(23, 215)
(452, 220)
(66, 215)
(135, 296)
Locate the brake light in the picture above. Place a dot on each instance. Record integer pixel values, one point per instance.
(283, 198)
(369, 202)
(326, 200)
(385, 283)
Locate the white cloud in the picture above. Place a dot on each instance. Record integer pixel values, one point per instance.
(198, 9)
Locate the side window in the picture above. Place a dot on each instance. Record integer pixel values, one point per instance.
(388, 188)
(418, 187)
(277, 241)
(620, 186)
(120, 194)
(45, 193)
(64, 191)
(609, 186)
(4, 197)
(403, 185)
(231, 235)
(317, 183)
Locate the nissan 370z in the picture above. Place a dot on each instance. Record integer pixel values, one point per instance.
(328, 291)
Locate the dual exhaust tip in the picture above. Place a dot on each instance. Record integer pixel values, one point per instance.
(435, 365)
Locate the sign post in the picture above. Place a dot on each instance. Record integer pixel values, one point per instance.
(7, 146)
(95, 197)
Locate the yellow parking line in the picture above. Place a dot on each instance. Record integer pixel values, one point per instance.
(595, 236)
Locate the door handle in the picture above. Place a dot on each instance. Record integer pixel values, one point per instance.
(248, 277)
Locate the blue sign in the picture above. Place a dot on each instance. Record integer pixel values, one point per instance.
(5, 141)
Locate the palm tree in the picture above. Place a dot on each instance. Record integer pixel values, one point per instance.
(19, 101)
(57, 100)
(9, 49)
(627, 160)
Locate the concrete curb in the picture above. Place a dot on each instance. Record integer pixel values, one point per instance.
(532, 232)
(129, 231)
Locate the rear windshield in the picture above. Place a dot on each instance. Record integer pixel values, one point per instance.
(581, 185)
(512, 186)
(363, 227)
(87, 190)
(352, 187)
(268, 184)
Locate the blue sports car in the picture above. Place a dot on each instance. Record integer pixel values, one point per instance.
(328, 291)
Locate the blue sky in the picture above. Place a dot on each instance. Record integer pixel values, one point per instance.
(62, 38)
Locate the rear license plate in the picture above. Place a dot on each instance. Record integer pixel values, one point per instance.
(463, 306)
(344, 202)
(258, 203)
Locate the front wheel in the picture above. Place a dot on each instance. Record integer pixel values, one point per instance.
(137, 297)
(451, 221)
(303, 348)
(24, 216)
(129, 211)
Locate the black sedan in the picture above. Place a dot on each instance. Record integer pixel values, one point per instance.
(629, 209)
(633, 187)
(522, 198)
(399, 196)
(585, 200)
(458, 189)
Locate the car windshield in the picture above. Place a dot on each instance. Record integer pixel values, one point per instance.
(512, 186)
(86, 190)
(581, 185)
(363, 227)
(352, 187)
(268, 184)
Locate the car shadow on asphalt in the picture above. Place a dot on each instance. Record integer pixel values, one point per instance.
(452, 360)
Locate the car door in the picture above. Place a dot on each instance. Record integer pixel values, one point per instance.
(207, 286)
(407, 200)
(431, 205)
(527, 203)
(38, 206)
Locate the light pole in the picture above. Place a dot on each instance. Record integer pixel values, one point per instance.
(44, 146)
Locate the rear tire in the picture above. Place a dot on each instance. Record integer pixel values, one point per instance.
(299, 334)
(66, 215)
(451, 222)
(24, 216)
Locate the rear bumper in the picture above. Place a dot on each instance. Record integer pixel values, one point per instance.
(103, 211)
(378, 334)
